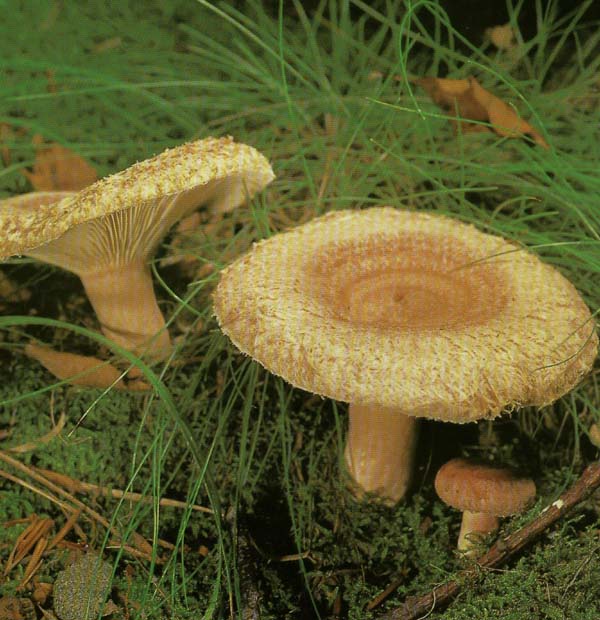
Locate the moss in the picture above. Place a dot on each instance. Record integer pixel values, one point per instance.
(118, 84)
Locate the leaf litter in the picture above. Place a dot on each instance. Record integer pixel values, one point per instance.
(468, 101)
(56, 168)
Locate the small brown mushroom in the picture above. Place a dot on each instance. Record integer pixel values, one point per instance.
(107, 232)
(405, 315)
(483, 493)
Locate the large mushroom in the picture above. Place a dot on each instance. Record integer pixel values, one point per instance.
(107, 232)
(405, 315)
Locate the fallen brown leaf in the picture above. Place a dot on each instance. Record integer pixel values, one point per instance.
(7, 135)
(502, 37)
(80, 369)
(58, 168)
(470, 101)
(595, 435)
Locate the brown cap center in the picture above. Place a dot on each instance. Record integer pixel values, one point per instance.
(412, 284)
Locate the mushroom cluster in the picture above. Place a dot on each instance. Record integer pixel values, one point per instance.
(107, 232)
(405, 315)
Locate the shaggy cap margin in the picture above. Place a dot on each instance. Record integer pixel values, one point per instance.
(172, 172)
(493, 328)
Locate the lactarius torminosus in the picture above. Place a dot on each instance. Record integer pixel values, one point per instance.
(405, 315)
(483, 493)
(107, 232)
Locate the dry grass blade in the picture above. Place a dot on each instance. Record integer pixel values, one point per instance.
(137, 539)
(27, 540)
(65, 529)
(77, 486)
(44, 439)
(26, 485)
(35, 561)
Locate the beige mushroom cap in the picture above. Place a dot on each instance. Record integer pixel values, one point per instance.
(217, 172)
(476, 487)
(409, 310)
(24, 214)
(15, 206)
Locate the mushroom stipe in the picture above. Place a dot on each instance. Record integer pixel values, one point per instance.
(405, 315)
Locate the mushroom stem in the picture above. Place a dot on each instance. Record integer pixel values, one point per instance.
(125, 304)
(380, 450)
(474, 528)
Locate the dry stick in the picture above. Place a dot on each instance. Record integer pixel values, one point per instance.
(416, 607)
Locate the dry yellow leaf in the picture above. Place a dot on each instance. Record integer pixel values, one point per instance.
(58, 168)
(470, 101)
(81, 369)
(502, 37)
(595, 435)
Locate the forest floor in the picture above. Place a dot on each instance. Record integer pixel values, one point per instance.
(262, 520)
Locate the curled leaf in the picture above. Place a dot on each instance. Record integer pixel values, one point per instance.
(468, 100)
(81, 369)
(58, 168)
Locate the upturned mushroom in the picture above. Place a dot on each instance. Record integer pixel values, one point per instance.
(405, 315)
(107, 232)
(483, 493)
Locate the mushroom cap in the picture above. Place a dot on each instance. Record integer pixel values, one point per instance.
(214, 171)
(476, 487)
(18, 206)
(409, 310)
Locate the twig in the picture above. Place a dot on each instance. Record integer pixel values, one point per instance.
(380, 598)
(416, 607)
